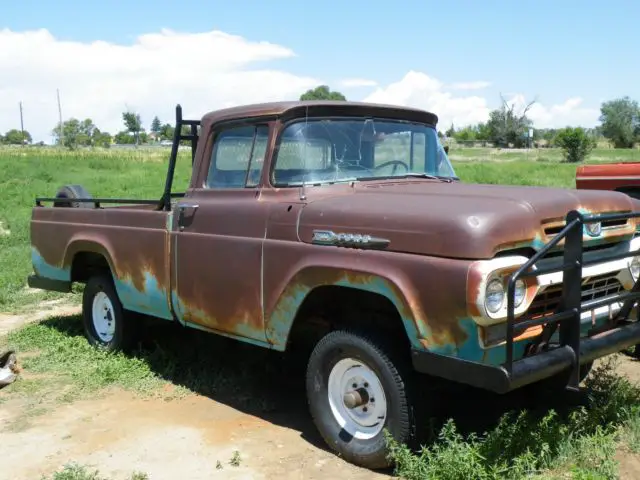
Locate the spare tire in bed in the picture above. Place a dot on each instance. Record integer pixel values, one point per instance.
(71, 192)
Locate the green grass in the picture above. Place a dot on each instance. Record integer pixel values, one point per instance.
(580, 443)
(599, 155)
(30, 172)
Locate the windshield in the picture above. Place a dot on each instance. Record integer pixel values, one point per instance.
(331, 150)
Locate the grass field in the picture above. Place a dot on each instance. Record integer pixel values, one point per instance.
(579, 445)
(27, 173)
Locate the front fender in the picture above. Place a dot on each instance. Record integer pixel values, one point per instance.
(390, 285)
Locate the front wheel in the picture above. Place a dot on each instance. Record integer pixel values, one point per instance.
(356, 388)
(105, 323)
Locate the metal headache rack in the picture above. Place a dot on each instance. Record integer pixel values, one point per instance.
(165, 201)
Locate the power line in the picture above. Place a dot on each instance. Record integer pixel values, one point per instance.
(60, 133)
(21, 124)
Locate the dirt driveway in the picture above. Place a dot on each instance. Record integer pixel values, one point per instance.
(194, 437)
(255, 411)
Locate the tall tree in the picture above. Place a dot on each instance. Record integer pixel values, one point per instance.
(506, 127)
(156, 125)
(133, 124)
(322, 92)
(16, 137)
(620, 121)
(80, 133)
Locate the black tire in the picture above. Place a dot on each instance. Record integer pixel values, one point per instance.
(71, 192)
(396, 379)
(121, 332)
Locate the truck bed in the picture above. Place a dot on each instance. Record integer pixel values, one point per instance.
(134, 240)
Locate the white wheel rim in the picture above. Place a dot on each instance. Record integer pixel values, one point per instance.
(367, 419)
(103, 316)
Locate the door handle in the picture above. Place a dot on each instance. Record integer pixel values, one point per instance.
(182, 208)
(187, 206)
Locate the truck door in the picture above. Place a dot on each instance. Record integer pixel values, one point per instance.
(218, 236)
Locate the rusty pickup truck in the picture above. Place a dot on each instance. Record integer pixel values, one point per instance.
(341, 229)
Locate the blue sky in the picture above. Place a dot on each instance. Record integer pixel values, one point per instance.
(550, 50)
(553, 49)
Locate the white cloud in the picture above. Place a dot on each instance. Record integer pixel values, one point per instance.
(480, 85)
(569, 113)
(357, 82)
(201, 71)
(417, 89)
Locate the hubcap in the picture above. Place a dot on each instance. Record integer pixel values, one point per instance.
(357, 399)
(104, 319)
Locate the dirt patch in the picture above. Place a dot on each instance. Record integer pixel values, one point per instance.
(629, 465)
(45, 309)
(192, 438)
(630, 368)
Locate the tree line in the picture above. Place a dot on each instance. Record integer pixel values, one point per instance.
(505, 128)
(74, 133)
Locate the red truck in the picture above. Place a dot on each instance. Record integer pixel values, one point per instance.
(622, 177)
(340, 229)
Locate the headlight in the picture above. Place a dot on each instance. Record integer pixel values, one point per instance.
(494, 296)
(520, 292)
(634, 268)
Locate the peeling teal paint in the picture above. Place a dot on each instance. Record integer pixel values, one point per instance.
(242, 332)
(45, 270)
(249, 340)
(472, 350)
(152, 301)
(178, 306)
(281, 320)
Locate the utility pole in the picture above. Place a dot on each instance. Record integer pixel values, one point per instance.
(60, 133)
(21, 124)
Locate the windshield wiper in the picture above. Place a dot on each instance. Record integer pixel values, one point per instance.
(409, 175)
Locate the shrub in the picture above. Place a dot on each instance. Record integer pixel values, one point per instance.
(575, 143)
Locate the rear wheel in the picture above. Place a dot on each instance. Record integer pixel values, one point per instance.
(105, 323)
(356, 388)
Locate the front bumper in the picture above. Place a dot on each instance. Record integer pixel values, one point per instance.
(530, 369)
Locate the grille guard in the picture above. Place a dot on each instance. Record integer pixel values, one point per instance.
(567, 316)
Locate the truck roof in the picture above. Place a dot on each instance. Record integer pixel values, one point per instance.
(295, 109)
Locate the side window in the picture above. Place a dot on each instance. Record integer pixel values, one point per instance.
(237, 157)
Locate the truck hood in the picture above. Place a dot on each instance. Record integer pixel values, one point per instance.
(454, 220)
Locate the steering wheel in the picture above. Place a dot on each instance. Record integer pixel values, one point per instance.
(395, 164)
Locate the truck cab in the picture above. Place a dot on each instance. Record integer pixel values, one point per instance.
(341, 229)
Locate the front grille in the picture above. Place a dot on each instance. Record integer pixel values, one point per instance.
(551, 231)
(593, 288)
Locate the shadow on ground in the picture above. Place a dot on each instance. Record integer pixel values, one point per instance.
(270, 386)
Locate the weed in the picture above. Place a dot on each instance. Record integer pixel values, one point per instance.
(75, 471)
(582, 443)
(235, 459)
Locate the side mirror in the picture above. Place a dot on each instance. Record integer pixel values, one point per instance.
(446, 149)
